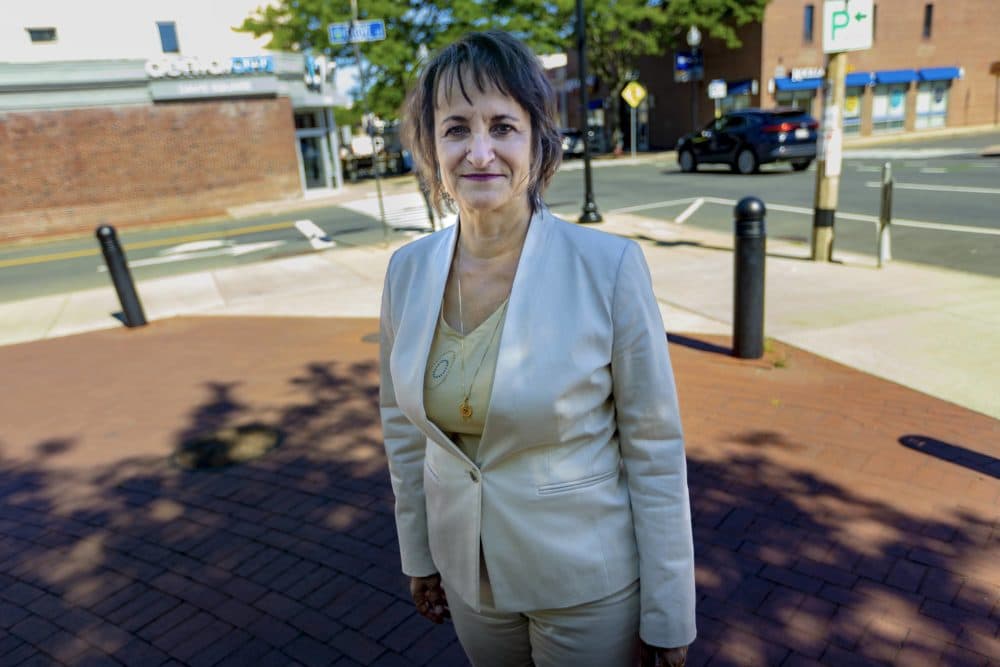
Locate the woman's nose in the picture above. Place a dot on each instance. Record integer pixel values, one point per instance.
(480, 151)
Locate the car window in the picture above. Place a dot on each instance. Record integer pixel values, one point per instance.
(733, 122)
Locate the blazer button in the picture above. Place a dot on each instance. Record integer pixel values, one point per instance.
(473, 476)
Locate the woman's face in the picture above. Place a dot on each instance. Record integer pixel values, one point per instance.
(483, 148)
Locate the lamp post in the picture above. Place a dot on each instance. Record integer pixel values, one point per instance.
(694, 41)
(590, 212)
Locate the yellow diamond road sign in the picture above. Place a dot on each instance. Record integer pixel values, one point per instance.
(634, 93)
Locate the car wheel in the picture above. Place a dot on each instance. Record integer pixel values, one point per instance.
(801, 165)
(746, 161)
(687, 161)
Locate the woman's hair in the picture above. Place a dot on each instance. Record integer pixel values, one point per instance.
(484, 58)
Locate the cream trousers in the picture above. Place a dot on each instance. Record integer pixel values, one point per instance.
(602, 633)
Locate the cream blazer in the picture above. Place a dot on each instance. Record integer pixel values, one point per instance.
(581, 485)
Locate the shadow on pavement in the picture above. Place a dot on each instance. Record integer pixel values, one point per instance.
(292, 558)
(956, 454)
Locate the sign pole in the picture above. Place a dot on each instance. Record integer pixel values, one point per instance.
(633, 132)
(371, 120)
(828, 161)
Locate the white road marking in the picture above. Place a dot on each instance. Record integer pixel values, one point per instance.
(234, 250)
(855, 217)
(655, 204)
(868, 170)
(194, 246)
(905, 153)
(937, 188)
(933, 170)
(317, 238)
(689, 211)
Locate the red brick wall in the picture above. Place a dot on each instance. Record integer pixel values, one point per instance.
(68, 171)
(963, 35)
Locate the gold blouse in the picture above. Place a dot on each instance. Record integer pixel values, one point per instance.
(450, 378)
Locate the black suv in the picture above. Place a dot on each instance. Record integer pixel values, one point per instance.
(748, 138)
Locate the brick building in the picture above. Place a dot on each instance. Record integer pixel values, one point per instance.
(154, 122)
(929, 66)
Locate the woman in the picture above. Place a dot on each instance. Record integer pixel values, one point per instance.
(527, 399)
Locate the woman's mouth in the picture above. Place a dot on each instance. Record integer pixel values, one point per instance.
(481, 177)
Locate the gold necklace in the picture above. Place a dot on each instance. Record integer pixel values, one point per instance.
(465, 408)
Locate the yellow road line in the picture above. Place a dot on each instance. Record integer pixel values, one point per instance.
(174, 240)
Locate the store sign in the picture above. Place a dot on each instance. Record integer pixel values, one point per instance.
(187, 89)
(802, 73)
(192, 66)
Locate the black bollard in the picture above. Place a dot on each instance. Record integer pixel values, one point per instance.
(748, 279)
(120, 276)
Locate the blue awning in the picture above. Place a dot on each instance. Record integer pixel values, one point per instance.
(859, 79)
(741, 87)
(787, 83)
(896, 76)
(939, 73)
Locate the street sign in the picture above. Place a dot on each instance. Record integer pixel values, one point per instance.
(687, 66)
(364, 31)
(717, 89)
(634, 93)
(847, 25)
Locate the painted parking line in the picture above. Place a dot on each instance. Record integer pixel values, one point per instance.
(856, 217)
(937, 188)
(173, 240)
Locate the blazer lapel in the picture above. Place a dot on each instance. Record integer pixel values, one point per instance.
(512, 353)
(417, 335)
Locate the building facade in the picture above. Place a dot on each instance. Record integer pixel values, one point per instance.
(929, 67)
(157, 113)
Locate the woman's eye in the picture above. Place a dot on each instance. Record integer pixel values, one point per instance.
(455, 131)
(503, 129)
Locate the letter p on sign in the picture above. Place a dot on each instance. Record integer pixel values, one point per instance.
(847, 25)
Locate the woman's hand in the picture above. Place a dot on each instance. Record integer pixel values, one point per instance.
(429, 597)
(655, 656)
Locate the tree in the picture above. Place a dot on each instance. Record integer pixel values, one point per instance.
(301, 25)
(620, 31)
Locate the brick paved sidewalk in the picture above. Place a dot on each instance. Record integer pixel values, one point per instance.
(839, 519)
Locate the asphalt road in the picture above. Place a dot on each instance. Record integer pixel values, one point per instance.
(946, 212)
(946, 201)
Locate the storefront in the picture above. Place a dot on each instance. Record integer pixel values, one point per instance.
(130, 141)
(854, 98)
(797, 92)
(739, 95)
(933, 88)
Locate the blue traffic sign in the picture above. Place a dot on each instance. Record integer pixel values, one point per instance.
(363, 31)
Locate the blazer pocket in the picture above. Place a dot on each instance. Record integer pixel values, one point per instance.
(583, 483)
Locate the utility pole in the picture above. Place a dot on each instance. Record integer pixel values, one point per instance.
(829, 159)
(847, 26)
(590, 212)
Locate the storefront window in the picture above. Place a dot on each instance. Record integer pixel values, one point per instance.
(889, 107)
(734, 103)
(799, 99)
(932, 104)
(853, 95)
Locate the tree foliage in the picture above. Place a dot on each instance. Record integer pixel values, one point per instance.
(618, 32)
(391, 64)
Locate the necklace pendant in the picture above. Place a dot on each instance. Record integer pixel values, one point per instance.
(465, 409)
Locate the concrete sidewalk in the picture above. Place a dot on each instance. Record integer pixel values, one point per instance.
(930, 329)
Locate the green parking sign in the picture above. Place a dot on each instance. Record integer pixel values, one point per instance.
(847, 25)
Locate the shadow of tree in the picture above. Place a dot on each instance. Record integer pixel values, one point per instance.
(793, 568)
(292, 558)
(288, 559)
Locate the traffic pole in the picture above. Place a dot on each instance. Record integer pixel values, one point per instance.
(828, 160)
(371, 121)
